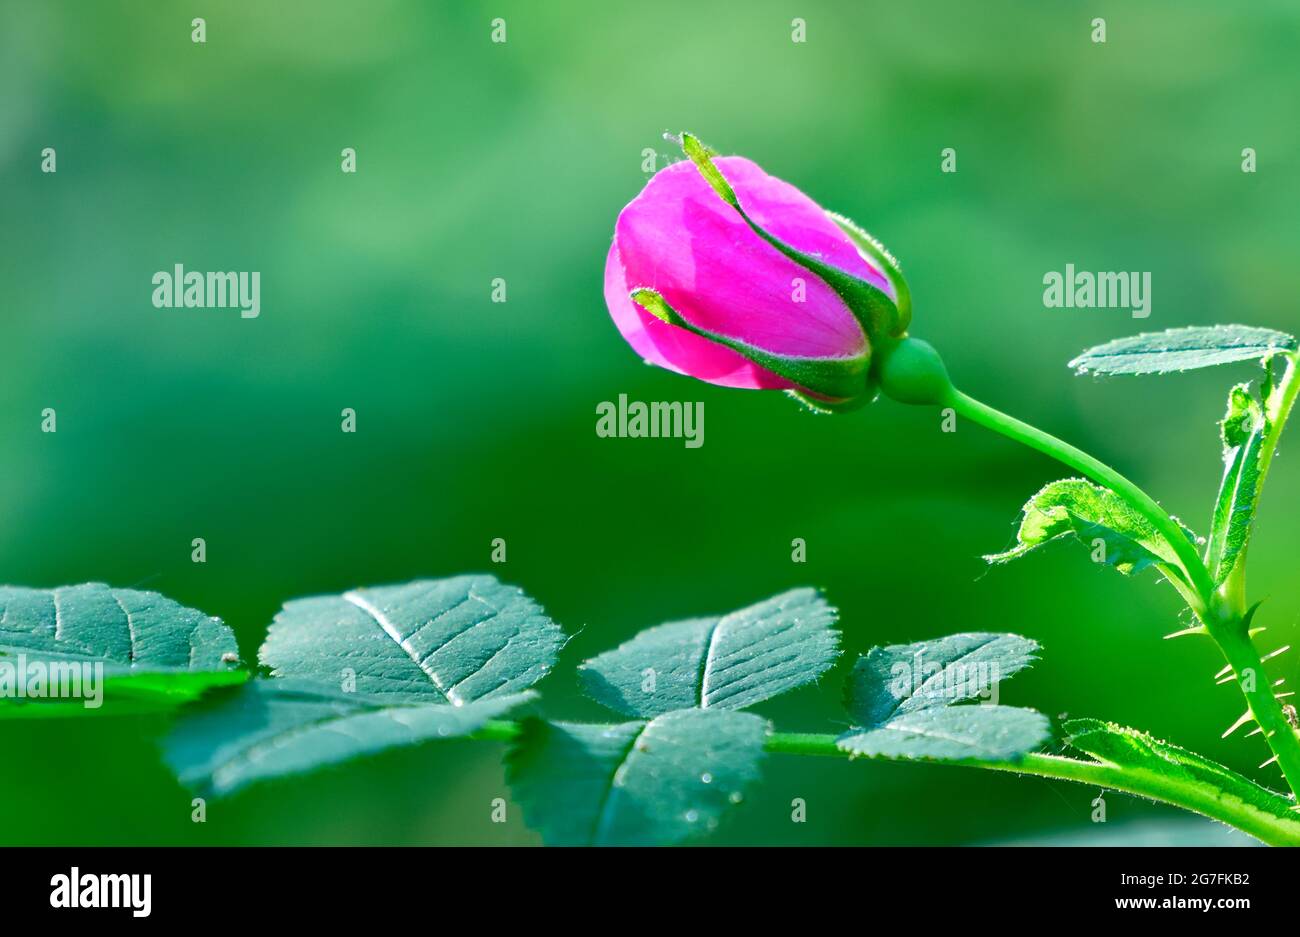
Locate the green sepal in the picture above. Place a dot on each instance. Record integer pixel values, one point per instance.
(841, 380)
(824, 407)
(871, 306)
(872, 247)
(1076, 507)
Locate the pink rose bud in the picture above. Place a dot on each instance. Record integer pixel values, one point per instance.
(727, 274)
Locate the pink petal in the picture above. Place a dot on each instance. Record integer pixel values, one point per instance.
(676, 349)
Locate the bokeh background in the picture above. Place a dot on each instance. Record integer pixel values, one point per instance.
(476, 420)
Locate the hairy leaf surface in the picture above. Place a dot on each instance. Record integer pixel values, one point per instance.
(367, 670)
(451, 641)
(155, 653)
(905, 678)
(723, 663)
(277, 727)
(1139, 752)
(900, 699)
(985, 733)
(1182, 350)
(637, 783)
(1074, 506)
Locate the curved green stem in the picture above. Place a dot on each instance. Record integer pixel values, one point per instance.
(1201, 798)
(1197, 797)
(1101, 473)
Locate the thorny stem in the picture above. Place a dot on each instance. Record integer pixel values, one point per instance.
(1190, 561)
(1252, 680)
(1222, 612)
(1276, 831)
(1230, 601)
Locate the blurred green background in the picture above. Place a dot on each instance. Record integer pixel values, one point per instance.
(476, 420)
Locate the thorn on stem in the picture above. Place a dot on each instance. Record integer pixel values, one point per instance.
(1245, 718)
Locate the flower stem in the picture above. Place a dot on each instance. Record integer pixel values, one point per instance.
(1101, 473)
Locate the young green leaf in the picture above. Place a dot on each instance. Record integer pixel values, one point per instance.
(278, 727)
(905, 678)
(900, 699)
(450, 641)
(1243, 430)
(638, 783)
(984, 733)
(154, 653)
(1103, 521)
(729, 662)
(1182, 350)
(1191, 775)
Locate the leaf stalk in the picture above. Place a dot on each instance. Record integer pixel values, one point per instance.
(1216, 805)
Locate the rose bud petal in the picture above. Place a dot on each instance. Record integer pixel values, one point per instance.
(727, 274)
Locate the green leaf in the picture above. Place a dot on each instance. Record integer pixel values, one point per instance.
(900, 679)
(1077, 507)
(1243, 430)
(453, 640)
(1141, 755)
(367, 670)
(638, 783)
(1182, 350)
(273, 728)
(881, 258)
(723, 663)
(152, 652)
(900, 699)
(957, 733)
